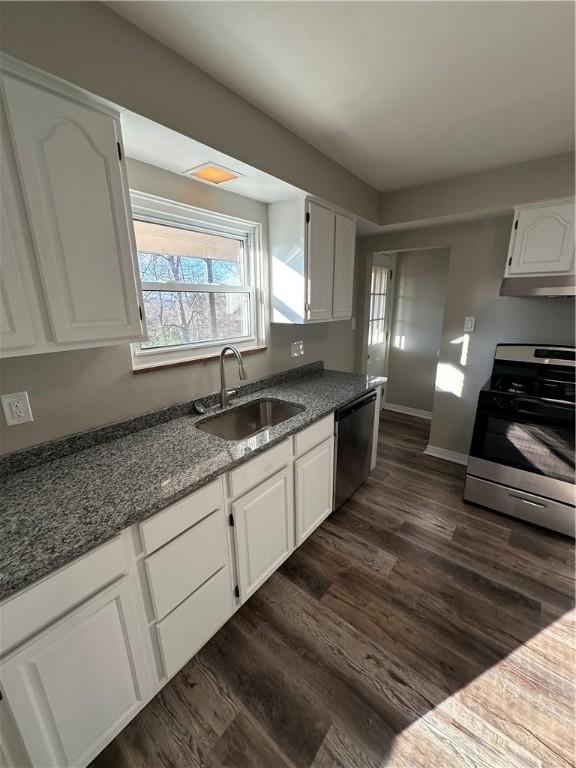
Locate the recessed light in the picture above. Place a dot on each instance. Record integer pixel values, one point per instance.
(214, 173)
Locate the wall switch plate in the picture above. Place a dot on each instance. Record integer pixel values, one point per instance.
(16, 408)
(469, 324)
(297, 349)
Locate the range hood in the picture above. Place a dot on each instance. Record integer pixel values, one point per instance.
(546, 285)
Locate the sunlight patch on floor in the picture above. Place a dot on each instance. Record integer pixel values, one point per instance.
(499, 721)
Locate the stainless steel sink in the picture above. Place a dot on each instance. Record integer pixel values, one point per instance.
(246, 420)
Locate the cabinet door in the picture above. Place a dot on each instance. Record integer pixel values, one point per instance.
(344, 252)
(68, 158)
(75, 686)
(17, 330)
(264, 530)
(320, 262)
(543, 240)
(314, 474)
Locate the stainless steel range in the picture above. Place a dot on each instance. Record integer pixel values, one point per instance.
(522, 453)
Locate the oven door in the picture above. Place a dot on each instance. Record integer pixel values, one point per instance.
(525, 435)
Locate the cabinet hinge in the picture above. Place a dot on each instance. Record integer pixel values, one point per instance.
(231, 520)
(119, 151)
(307, 217)
(307, 307)
(516, 224)
(510, 261)
(236, 591)
(391, 274)
(140, 313)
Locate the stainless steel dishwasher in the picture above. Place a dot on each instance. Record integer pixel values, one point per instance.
(354, 431)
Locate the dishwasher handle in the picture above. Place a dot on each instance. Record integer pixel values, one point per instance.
(355, 405)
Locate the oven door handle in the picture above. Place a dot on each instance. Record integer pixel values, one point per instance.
(526, 501)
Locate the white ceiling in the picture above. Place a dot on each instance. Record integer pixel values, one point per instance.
(400, 93)
(153, 143)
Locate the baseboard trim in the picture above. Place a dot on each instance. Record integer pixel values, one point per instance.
(443, 453)
(408, 411)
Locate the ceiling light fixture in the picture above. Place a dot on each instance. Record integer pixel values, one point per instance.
(213, 173)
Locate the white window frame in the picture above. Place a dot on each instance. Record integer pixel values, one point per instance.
(158, 210)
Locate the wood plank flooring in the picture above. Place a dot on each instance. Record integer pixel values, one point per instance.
(411, 630)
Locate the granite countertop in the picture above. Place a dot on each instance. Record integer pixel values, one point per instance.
(57, 510)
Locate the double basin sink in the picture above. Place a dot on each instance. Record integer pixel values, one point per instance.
(249, 419)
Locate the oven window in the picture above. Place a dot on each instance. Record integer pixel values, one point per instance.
(543, 449)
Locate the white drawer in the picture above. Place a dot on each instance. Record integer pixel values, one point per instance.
(179, 568)
(30, 611)
(173, 520)
(183, 632)
(312, 436)
(259, 469)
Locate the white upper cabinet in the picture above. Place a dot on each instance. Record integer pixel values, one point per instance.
(17, 323)
(542, 241)
(320, 258)
(312, 251)
(344, 252)
(69, 158)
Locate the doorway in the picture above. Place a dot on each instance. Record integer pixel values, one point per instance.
(379, 303)
(405, 296)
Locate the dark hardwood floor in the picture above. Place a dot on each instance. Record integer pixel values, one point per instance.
(410, 630)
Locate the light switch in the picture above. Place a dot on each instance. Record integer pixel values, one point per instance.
(297, 349)
(469, 324)
(16, 408)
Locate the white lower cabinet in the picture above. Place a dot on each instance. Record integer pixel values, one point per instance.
(264, 530)
(314, 477)
(75, 686)
(72, 677)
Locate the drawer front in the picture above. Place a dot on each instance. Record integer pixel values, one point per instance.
(312, 436)
(166, 525)
(179, 568)
(262, 467)
(527, 506)
(35, 608)
(192, 624)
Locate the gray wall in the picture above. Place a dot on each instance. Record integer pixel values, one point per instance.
(88, 44)
(77, 390)
(487, 192)
(477, 259)
(419, 293)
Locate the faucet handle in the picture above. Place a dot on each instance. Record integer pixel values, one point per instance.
(232, 392)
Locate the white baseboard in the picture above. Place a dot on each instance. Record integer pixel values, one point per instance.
(443, 453)
(408, 411)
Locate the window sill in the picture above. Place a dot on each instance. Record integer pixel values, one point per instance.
(191, 361)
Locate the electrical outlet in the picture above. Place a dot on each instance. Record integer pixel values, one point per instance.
(16, 408)
(469, 324)
(297, 349)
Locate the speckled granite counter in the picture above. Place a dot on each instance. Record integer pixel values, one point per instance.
(59, 509)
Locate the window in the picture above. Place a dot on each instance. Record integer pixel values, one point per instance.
(377, 320)
(199, 275)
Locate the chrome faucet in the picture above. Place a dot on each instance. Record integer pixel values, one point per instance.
(225, 393)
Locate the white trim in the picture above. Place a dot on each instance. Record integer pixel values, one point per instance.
(443, 453)
(408, 411)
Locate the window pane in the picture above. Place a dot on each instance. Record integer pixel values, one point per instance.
(188, 317)
(169, 254)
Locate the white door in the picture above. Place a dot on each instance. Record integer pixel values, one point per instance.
(264, 530)
(380, 287)
(542, 240)
(344, 252)
(75, 686)
(319, 262)
(17, 294)
(314, 473)
(68, 158)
